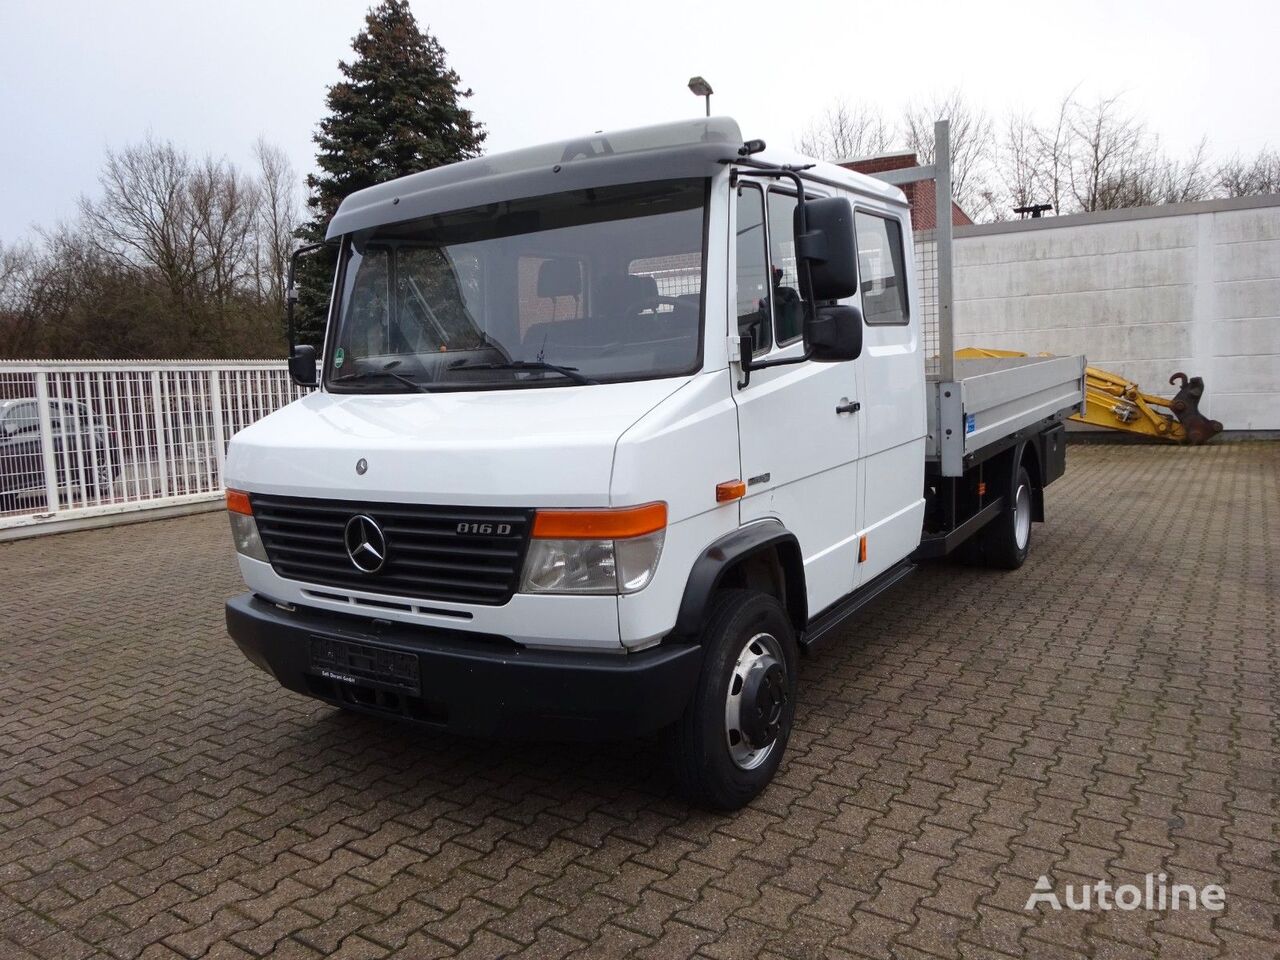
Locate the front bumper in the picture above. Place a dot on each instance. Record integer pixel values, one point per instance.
(471, 683)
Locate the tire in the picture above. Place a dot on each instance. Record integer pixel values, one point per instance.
(722, 753)
(1007, 539)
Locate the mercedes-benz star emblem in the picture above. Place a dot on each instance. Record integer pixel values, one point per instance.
(361, 466)
(366, 543)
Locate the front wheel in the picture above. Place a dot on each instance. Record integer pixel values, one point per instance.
(729, 742)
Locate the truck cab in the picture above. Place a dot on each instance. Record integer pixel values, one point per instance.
(604, 433)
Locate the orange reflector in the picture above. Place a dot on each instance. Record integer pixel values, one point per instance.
(730, 490)
(599, 524)
(982, 488)
(238, 502)
(862, 549)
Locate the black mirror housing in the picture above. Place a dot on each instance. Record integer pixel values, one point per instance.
(834, 334)
(302, 365)
(826, 241)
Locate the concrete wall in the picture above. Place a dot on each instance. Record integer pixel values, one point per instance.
(1192, 287)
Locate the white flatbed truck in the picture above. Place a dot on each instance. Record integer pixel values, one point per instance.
(608, 432)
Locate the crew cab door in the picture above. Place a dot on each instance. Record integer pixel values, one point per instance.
(800, 453)
(891, 372)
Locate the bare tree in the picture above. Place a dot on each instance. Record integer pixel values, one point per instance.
(175, 256)
(1018, 161)
(972, 138)
(846, 132)
(224, 209)
(1237, 177)
(1053, 153)
(1182, 181)
(15, 264)
(1113, 160)
(278, 218)
(144, 213)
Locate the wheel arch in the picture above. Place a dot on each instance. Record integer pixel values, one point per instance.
(763, 556)
(1002, 469)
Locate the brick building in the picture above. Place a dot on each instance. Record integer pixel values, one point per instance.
(920, 195)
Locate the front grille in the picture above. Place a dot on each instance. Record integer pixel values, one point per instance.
(426, 557)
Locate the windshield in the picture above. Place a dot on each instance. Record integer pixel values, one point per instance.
(579, 287)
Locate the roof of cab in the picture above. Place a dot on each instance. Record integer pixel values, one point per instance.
(685, 148)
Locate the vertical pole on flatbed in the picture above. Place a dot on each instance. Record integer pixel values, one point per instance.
(942, 234)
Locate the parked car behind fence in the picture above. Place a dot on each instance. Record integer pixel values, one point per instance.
(79, 442)
(122, 435)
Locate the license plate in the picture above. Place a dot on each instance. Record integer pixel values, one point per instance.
(365, 665)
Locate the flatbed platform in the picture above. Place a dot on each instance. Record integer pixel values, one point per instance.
(992, 398)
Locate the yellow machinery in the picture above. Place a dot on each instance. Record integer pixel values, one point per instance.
(1118, 404)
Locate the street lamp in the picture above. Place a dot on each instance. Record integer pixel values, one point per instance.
(701, 88)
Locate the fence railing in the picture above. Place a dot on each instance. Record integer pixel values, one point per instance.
(83, 439)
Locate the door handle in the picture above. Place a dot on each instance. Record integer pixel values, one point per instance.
(848, 406)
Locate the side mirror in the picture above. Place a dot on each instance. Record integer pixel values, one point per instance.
(834, 334)
(302, 365)
(826, 241)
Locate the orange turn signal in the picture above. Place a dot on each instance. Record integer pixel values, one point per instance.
(730, 490)
(599, 524)
(238, 502)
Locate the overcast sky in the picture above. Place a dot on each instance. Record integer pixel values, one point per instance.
(77, 76)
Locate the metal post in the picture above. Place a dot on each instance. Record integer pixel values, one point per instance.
(942, 235)
(162, 450)
(215, 403)
(46, 441)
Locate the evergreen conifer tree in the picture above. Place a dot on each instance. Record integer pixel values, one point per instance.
(397, 110)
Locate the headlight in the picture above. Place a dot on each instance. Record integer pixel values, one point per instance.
(594, 551)
(244, 529)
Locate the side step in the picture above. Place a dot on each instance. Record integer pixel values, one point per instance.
(835, 615)
(941, 544)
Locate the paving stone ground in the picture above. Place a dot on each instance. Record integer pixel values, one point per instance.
(1108, 711)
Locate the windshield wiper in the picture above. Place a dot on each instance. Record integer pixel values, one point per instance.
(569, 372)
(366, 374)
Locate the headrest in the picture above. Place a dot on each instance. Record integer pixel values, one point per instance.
(560, 278)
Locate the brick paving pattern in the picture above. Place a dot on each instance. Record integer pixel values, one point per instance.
(1107, 711)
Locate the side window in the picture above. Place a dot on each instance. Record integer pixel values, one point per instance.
(880, 269)
(753, 269)
(22, 418)
(788, 311)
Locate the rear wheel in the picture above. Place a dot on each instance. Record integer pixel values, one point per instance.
(1007, 539)
(729, 742)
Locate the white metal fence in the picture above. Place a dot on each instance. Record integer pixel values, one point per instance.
(82, 439)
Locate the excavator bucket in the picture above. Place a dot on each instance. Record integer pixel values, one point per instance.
(1113, 402)
(1186, 407)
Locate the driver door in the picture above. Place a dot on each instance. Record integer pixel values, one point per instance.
(800, 457)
